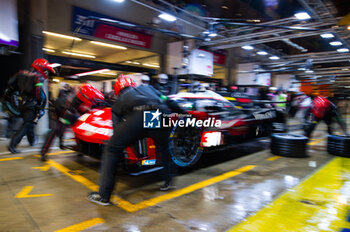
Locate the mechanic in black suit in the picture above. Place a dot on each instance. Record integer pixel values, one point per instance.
(127, 114)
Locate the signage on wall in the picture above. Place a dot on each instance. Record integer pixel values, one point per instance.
(8, 23)
(108, 32)
(219, 59)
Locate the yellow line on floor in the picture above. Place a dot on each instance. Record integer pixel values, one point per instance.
(319, 203)
(24, 193)
(82, 225)
(57, 153)
(316, 141)
(273, 158)
(129, 207)
(13, 158)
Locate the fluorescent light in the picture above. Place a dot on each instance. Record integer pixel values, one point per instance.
(248, 47)
(336, 43)
(128, 61)
(345, 69)
(302, 16)
(119, 1)
(108, 45)
(48, 50)
(92, 72)
(262, 53)
(343, 50)
(212, 34)
(327, 35)
(167, 17)
(55, 65)
(109, 73)
(309, 71)
(301, 69)
(134, 62)
(348, 27)
(151, 65)
(55, 80)
(61, 36)
(274, 58)
(79, 54)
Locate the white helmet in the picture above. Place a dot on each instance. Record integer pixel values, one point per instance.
(145, 79)
(162, 78)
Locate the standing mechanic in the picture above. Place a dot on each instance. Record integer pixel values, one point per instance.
(321, 109)
(68, 110)
(127, 116)
(31, 99)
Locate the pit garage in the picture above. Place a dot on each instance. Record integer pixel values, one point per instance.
(254, 171)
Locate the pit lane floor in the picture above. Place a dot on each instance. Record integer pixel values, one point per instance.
(242, 188)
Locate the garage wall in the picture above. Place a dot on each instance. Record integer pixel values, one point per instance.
(283, 81)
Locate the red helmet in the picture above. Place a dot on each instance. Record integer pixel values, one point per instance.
(123, 82)
(41, 65)
(320, 105)
(89, 94)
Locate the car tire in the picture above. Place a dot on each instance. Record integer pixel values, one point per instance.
(339, 145)
(289, 145)
(185, 146)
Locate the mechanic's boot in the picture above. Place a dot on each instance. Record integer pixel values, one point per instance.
(43, 158)
(62, 147)
(96, 198)
(167, 186)
(13, 150)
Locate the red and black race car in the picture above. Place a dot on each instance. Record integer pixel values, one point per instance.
(187, 142)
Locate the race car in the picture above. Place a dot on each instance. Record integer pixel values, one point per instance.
(211, 121)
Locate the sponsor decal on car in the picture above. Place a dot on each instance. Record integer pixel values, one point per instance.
(89, 128)
(149, 162)
(263, 116)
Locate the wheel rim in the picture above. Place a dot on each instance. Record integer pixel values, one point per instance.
(185, 144)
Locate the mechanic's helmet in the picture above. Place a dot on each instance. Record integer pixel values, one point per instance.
(43, 67)
(90, 95)
(123, 82)
(320, 105)
(145, 79)
(162, 78)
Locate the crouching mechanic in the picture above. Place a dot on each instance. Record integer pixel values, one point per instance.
(127, 116)
(31, 99)
(68, 110)
(321, 109)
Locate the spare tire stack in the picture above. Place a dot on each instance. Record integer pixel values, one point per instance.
(289, 145)
(339, 145)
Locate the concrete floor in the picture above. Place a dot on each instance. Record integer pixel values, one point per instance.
(38, 196)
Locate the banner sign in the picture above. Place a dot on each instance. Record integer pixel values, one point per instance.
(8, 23)
(108, 32)
(219, 59)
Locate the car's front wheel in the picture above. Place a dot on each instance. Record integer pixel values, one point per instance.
(185, 146)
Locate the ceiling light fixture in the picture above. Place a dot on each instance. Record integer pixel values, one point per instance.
(119, 1)
(55, 80)
(274, 58)
(48, 50)
(167, 17)
(151, 65)
(128, 61)
(91, 72)
(61, 36)
(348, 28)
(343, 50)
(309, 71)
(248, 47)
(262, 53)
(327, 35)
(212, 34)
(336, 43)
(55, 65)
(108, 45)
(302, 16)
(301, 69)
(79, 54)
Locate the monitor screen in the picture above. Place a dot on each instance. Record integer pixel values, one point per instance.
(8, 23)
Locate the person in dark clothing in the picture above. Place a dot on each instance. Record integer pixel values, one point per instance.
(67, 110)
(31, 100)
(321, 109)
(162, 84)
(127, 116)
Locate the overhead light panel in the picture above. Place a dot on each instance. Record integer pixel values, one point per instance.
(167, 17)
(302, 16)
(61, 36)
(327, 35)
(274, 58)
(108, 45)
(343, 50)
(336, 43)
(55, 80)
(151, 65)
(309, 71)
(119, 1)
(212, 34)
(48, 50)
(92, 72)
(79, 54)
(301, 69)
(262, 53)
(248, 47)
